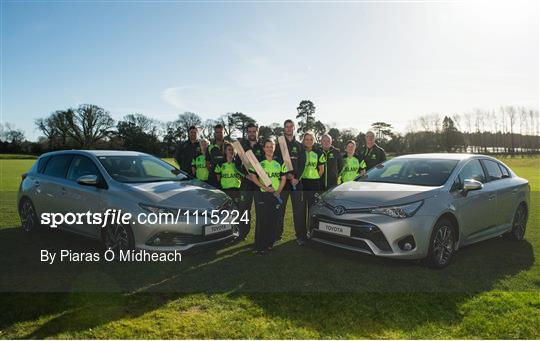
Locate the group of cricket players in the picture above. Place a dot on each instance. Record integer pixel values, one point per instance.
(273, 172)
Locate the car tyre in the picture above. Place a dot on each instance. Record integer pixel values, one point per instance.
(442, 244)
(519, 224)
(118, 237)
(28, 215)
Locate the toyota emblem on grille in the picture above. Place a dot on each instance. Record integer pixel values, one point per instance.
(339, 210)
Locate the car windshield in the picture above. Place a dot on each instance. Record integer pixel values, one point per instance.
(422, 172)
(140, 169)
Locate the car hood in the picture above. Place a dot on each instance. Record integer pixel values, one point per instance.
(192, 194)
(361, 194)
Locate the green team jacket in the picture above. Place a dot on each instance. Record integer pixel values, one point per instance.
(274, 170)
(314, 158)
(351, 167)
(230, 176)
(201, 167)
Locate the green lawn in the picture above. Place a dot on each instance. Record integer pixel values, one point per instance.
(491, 290)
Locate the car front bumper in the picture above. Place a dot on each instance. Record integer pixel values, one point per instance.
(179, 237)
(374, 234)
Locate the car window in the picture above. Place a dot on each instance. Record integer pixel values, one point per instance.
(493, 170)
(505, 171)
(472, 170)
(140, 169)
(153, 169)
(421, 171)
(41, 163)
(57, 166)
(81, 165)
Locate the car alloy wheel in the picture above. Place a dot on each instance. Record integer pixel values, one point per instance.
(117, 238)
(28, 216)
(519, 223)
(443, 245)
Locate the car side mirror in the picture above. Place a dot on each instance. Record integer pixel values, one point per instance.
(88, 180)
(472, 185)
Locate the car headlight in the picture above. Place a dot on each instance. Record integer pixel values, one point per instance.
(401, 211)
(318, 200)
(183, 211)
(159, 209)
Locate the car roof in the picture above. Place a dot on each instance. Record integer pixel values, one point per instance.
(444, 156)
(97, 152)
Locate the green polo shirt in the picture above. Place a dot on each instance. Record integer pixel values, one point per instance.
(230, 176)
(201, 171)
(313, 160)
(274, 170)
(351, 168)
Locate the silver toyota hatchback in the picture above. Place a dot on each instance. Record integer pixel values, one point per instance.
(423, 207)
(136, 183)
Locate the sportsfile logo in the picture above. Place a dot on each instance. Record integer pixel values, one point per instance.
(118, 217)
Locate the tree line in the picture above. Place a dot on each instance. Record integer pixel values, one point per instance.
(508, 130)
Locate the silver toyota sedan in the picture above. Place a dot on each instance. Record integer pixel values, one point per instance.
(130, 182)
(423, 206)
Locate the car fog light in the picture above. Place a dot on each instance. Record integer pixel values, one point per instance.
(407, 243)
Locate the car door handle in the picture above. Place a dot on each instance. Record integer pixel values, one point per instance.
(491, 196)
(514, 191)
(36, 183)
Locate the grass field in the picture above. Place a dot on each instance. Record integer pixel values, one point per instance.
(491, 290)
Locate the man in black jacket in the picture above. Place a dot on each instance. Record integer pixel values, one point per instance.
(248, 187)
(333, 163)
(214, 154)
(293, 187)
(187, 150)
(372, 153)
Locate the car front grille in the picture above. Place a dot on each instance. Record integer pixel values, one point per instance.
(343, 240)
(359, 229)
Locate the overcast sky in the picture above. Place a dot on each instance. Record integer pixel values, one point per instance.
(358, 62)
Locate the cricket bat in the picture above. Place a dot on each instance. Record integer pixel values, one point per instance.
(260, 172)
(285, 155)
(241, 154)
(258, 169)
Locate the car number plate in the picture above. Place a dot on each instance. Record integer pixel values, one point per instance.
(212, 229)
(333, 228)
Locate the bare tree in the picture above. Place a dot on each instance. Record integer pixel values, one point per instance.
(207, 128)
(89, 124)
(457, 120)
(468, 121)
(184, 121)
(61, 120)
(512, 115)
(48, 128)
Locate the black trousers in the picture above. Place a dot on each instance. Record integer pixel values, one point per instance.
(234, 193)
(299, 211)
(265, 227)
(330, 182)
(212, 180)
(311, 187)
(248, 191)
